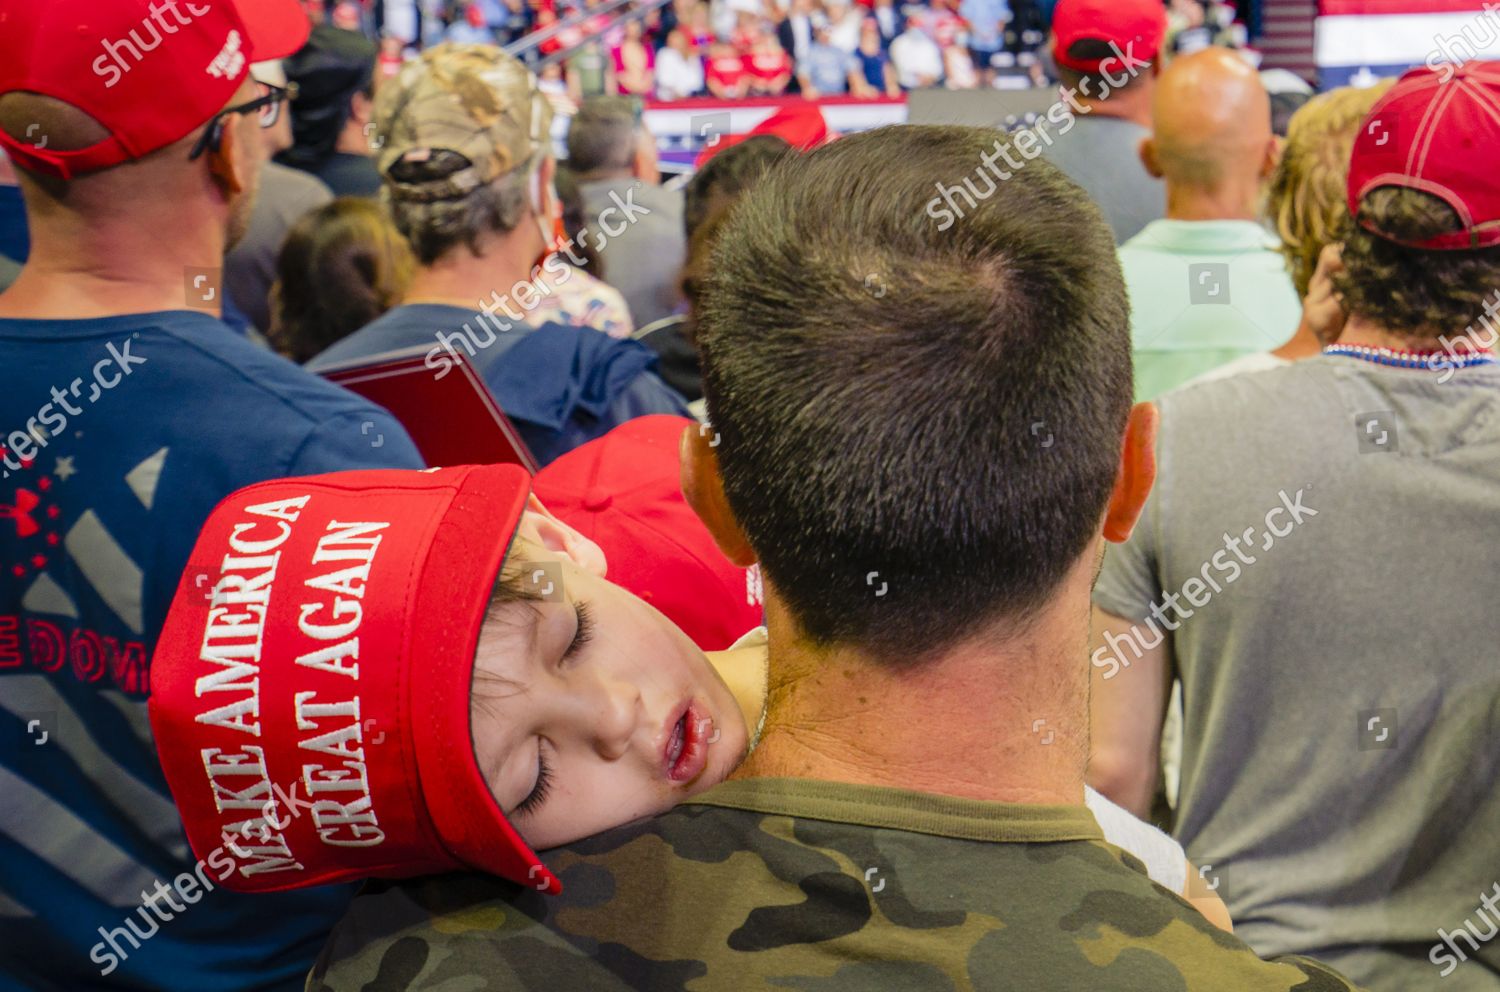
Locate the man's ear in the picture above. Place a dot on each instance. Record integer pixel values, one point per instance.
(228, 163)
(646, 165)
(703, 488)
(1272, 157)
(547, 205)
(539, 526)
(1147, 151)
(361, 109)
(1137, 473)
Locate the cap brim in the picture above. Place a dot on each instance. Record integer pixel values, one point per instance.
(466, 555)
(277, 28)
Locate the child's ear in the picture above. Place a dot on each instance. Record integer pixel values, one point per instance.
(704, 490)
(539, 526)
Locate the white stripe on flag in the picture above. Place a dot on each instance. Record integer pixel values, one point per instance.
(32, 819)
(134, 802)
(108, 568)
(1405, 39)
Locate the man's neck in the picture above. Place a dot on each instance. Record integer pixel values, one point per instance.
(120, 263)
(1302, 344)
(462, 279)
(1002, 722)
(353, 140)
(1360, 330)
(605, 175)
(1132, 105)
(1234, 200)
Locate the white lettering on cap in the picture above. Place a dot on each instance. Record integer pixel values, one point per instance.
(230, 62)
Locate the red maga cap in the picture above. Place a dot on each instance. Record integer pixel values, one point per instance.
(149, 71)
(800, 125)
(623, 491)
(1437, 131)
(1135, 27)
(311, 689)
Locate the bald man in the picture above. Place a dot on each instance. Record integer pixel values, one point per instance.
(1206, 283)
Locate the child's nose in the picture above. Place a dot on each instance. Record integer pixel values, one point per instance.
(615, 717)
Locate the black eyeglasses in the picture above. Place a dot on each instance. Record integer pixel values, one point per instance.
(267, 105)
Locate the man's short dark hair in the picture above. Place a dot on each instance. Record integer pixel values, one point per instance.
(329, 70)
(1097, 84)
(920, 425)
(727, 175)
(1412, 291)
(602, 135)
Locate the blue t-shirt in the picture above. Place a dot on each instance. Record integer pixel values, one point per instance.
(827, 68)
(15, 234)
(987, 19)
(140, 424)
(562, 386)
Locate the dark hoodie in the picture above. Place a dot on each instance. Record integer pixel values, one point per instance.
(561, 385)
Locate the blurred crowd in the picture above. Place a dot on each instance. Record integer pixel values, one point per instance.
(732, 49)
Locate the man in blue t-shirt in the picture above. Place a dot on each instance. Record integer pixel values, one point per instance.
(827, 69)
(128, 410)
(467, 165)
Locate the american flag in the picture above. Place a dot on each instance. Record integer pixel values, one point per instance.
(1358, 41)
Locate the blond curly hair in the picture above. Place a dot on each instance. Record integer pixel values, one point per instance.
(1306, 198)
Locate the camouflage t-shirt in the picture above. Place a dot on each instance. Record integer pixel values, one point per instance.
(815, 886)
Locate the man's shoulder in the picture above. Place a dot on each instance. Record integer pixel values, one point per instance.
(217, 410)
(1291, 393)
(416, 325)
(350, 175)
(194, 355)
(1275, 418)
(224, 368)
(728, 898)
(292, 191)
(1092, 132)
(601, 194)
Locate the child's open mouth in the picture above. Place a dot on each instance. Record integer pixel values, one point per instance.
(686, 752)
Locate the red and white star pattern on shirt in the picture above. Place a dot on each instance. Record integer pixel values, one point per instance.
(33, 515)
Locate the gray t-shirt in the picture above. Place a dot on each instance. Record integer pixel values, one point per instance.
(1102, 154)
(637, 228)
(1341, 689)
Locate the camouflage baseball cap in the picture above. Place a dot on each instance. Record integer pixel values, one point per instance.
(473, 100)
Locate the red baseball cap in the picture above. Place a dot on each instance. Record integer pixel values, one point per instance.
(149, 71)
(1437, 131)
(311, 689)
(623, 491)
(1135, 27)
(800, 125)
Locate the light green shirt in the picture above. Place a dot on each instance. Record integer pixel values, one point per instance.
(1203, 293)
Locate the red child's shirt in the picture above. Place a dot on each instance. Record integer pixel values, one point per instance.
(726, 70)
(768, 66)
